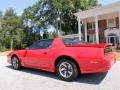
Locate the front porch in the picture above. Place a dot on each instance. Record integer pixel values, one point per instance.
(101, 24)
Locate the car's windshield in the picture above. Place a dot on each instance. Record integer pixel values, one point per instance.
(71, 41)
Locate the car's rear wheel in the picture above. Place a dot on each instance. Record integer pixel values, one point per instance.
(67, 70)
(16, 63)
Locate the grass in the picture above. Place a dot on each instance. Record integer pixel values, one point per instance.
(118, 54)
(118, 57)
(118, 51)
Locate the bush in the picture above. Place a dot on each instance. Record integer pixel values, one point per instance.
(3, 48)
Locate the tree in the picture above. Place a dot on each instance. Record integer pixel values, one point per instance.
(60, 13)
(1, 33)
(0, 14)
(0, 19)
(12, 24)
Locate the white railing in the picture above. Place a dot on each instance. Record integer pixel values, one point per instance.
(112, 31)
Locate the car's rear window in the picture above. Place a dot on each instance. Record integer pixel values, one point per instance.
(72, 41)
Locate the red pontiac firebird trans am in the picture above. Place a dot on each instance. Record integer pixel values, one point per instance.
(67, 57)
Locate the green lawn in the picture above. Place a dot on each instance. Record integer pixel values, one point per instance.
(118, 51)
(118, 57)
(118, 54)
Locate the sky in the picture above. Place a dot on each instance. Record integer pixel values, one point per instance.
(20, 5)
(103, 2)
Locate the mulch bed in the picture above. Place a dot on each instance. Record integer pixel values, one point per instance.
(4, 53)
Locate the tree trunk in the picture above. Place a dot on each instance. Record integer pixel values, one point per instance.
(60, 29)
(11, 41)
(11, 44)
(39, 34)
(57, 34)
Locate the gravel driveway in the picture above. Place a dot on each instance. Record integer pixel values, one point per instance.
(30, 79)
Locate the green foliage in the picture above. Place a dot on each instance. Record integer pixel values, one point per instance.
(58, 13)
(0, 14)
(11, 31)
(20, 31)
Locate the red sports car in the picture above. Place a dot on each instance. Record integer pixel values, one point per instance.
(67, 57)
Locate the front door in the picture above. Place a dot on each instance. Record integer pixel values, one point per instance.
(38, 54)
(113, 40)
(38, 58)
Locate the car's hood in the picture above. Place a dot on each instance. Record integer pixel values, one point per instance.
(101, 45)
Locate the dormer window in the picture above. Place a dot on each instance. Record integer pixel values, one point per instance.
(111, 23)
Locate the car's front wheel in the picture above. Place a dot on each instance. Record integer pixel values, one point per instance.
(16, 63)
(67, 70)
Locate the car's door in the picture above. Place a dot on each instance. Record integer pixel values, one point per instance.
(38, 54)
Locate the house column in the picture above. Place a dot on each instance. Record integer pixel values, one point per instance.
(96, 29)
(85, 25)
(79, 28)
(106, 39)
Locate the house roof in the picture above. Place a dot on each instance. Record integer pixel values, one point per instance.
(99, 10)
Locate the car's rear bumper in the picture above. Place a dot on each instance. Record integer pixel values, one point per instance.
(102, 65)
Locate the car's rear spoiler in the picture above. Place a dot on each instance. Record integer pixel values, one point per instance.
(102, 45)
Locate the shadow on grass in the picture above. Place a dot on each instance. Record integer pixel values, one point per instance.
(95, 79)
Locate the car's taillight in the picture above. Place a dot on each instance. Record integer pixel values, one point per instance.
(108, 50)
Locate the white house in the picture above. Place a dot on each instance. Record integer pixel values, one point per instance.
(101, 24)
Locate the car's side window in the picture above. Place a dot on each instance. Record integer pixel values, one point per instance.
(35, 45)
(48, 43)
(43, 44)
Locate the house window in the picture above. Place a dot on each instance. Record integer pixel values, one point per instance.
(92, 38)
(91, 25)
(111, 23)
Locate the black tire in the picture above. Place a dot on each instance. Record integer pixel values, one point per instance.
(72, 72)
(16, 63)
